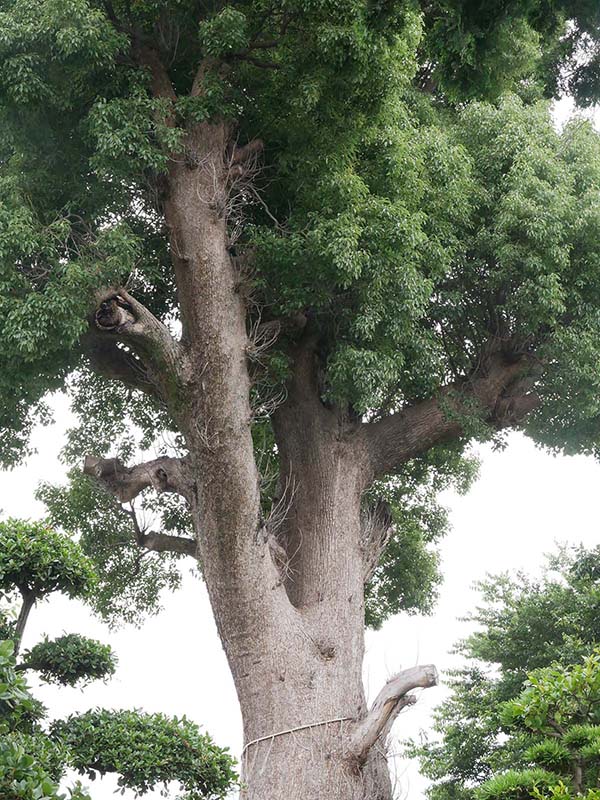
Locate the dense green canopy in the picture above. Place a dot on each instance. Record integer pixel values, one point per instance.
(147, 750)
(409, 195)
(38, 560)
(30, 763)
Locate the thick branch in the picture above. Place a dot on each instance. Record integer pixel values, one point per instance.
(120, 317)
(164, 543)
(161, 83)
(113, 362)
(162, 474)
(388, 704)
(499, 391)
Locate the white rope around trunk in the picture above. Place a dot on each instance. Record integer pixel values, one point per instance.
(293, 730)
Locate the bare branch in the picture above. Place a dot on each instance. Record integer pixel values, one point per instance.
(161, 542)
(162, 474)
(499, 389)
(376, 529)
(388, 704)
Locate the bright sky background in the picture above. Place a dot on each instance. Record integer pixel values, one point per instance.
(524, 502)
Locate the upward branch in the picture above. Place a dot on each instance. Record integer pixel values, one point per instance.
(500, 391)
(389, 702)
(161, 85)
(28, 601)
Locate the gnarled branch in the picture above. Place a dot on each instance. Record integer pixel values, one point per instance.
(389, 702)
(163, 474)
(499, 389)
(120, 317)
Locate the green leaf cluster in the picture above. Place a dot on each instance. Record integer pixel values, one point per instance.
(147, 750)
(523, 625)
(413, 202)
(408, 575)
(30, 763)
(143, 749)
(38, 560)
(559, 708)
(70, 659)
(130, 580)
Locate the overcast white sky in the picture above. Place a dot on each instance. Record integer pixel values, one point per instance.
(523, 503)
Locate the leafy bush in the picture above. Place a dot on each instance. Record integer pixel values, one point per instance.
(559, 709)
(147, 750)
(71, 659)
(39, 560)
(30, 763)
(516, 785)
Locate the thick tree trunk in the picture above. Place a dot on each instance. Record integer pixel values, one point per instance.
(294, 633)
(298, 675)
(287, 592)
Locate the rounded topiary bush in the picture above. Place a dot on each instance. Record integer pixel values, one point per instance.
(71, 659)
(38, 560)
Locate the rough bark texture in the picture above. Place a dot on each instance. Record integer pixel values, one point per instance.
(287, 593)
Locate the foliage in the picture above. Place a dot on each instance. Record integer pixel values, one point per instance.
(407, 576)
(30, 763)
(414, 201)
(518, 785)
(7, 624)
(130, 580)
(70, 659)
(40, 561)
(468, 58)
(143, 749)
(559, 698)
(522, 625)
(16, 704)
(560, 710)
(146, 750)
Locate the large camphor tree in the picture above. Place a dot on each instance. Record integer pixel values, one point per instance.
(306, 250)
